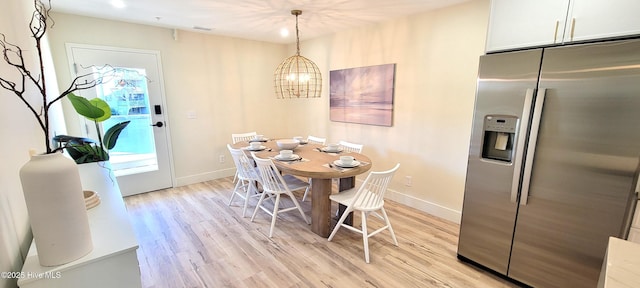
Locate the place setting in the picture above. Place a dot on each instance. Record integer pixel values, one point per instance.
(287, 156)
(300, 140)
(331, 148)
(255, 146)
(259, 139)
(345, 162)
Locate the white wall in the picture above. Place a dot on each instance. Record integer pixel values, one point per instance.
(221, 79)
(20, 132)
(228, 82)
(436, 56)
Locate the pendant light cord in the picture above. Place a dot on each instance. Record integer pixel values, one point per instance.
(297, 13)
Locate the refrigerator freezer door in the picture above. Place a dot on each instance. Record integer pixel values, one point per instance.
(489, 212)
(586, 157)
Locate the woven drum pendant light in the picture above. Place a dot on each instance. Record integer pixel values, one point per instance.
(297, 76)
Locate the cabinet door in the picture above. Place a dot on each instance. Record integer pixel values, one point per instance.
(589, 19)
(634, 235)
(635, 223)
(526, 23)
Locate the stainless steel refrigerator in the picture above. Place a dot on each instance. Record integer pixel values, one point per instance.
(553, 161)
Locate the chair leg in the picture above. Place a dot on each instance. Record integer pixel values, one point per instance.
(255, 211)
(295, 202)
(246, 198)
(274, 216)
(386, 219)
(365, 236)
(306, 192)
(339, 224)
(234, 192)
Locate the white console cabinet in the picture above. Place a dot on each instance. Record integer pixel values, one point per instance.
(112, 262)
(515, 24)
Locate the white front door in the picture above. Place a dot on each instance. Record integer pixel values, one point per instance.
(141, 160)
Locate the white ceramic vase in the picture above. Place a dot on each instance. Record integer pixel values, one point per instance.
(57, 213)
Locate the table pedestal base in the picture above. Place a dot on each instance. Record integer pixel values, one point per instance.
(321, 207)
(321, 204)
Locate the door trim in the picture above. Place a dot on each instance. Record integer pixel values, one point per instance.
(158, 56)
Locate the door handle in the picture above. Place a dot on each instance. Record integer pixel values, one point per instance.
(158, 124)
(533, 141)
(573, 27)
(522, 137)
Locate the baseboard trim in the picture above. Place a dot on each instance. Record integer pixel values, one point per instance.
(193, 179)
(411, 201)
(425, 206)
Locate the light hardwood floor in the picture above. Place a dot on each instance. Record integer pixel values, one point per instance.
(189, 237)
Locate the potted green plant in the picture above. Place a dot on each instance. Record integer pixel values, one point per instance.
(85, 150)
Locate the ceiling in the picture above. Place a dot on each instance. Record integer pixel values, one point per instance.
(260, 20)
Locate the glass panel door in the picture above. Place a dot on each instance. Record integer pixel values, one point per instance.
(128, 98)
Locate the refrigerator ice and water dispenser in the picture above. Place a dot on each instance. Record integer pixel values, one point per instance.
(499, 137)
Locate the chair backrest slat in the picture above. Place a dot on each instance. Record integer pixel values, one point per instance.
(351, 147)
(239, 137)
(316, 140)
(243, 163)
(370, 195)
(270, 175)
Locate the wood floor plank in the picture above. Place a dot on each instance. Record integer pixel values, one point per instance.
(190, 237)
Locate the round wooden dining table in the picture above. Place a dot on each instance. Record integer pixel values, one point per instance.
(320, 168)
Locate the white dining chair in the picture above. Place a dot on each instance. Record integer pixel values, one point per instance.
(274, 185)
(368, 199)
(312, 140)
(316, 140)
(239, 137)
(351, 147)
(247, 178)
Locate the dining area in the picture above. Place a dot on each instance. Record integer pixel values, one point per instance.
(269, 168)
(191, 237)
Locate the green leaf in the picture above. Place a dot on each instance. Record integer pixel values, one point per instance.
(102, 105)
(111, 136)
(69, 140)
(75, 151)
(96, 110)
(86, 153)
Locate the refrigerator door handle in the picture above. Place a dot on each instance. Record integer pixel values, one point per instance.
(522, 137)
(531, 150)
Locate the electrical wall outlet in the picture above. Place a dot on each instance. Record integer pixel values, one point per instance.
(222, 158)
(408, 181)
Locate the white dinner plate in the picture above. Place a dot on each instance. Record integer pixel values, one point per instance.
(340, 164)
(326, 149)
(259, 149)
(292, 158)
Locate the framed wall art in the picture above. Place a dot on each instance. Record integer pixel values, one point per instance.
(362, 95)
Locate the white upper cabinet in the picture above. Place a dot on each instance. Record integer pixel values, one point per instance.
(526, 23)
(600, 19)
(517, 24)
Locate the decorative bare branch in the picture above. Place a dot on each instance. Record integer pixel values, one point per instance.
(12, 55)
